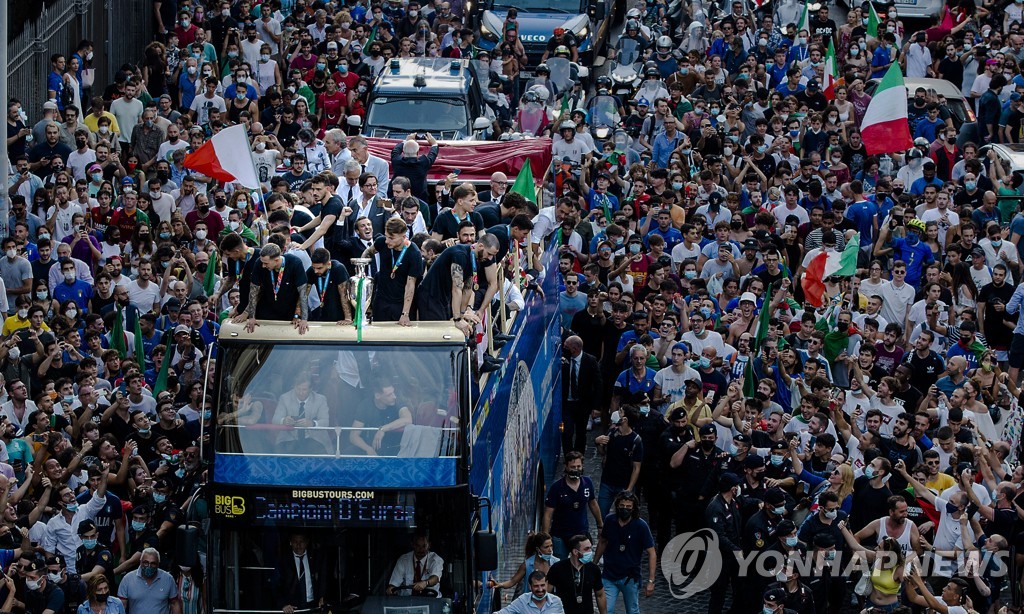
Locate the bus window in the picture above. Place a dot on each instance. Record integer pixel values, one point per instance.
(363, 400)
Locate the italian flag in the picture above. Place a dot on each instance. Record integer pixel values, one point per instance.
(831, 75)
(825, 265)
(805, 18)
(873, 21)
(884, 128)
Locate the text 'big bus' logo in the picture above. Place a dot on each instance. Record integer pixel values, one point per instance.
(228, 506)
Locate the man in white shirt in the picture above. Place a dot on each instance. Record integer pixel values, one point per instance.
(897, 296)
(416, 571)
(919, 58)
(143, 292)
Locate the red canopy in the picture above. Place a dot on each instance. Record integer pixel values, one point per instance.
(477, 160)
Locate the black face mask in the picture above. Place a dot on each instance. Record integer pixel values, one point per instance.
(623, 514)
(736, 225)
(162, 175)
(201, 267)
(677, 430)
(843, 326)
(707, 446)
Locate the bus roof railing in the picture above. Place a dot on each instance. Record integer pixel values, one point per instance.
(384, 332)
(447, 439)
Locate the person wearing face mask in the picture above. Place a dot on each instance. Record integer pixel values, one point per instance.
(42, 594)
(624, 541)
(62, 530)
(539, 557)
(150, 589)
(93, 559)
(535, 600)
(578, 581)
(723, 516)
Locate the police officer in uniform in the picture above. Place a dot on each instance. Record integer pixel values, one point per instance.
(672, 441)
(796, 595)
(701, 469)
(723, 517)
(738, 455)
(92, 557)
(758, 536)
(752, 488)
(651, 425)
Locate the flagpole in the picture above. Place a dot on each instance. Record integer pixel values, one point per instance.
(502, 316)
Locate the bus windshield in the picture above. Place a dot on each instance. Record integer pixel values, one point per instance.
(311, 400)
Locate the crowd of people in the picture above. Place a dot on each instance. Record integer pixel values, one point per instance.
(868, 416)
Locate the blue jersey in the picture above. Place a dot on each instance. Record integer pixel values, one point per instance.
(916, 257)
(106, 519)
(570, 507)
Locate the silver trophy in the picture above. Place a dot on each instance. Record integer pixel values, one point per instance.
(362, 276)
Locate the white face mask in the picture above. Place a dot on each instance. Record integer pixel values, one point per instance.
(12, 253)
(23, 313)
(14, 353)
(201, 234)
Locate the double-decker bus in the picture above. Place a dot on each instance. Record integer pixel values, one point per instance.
(469, 469)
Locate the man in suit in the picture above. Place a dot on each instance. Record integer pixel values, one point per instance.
(407, 162)
(371, 205)
(496, 193)
(356, 245)
(368, 163)
(301, 581)
(302, 408)
(581, 375)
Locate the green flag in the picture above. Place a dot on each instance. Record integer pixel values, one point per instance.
(805, 17)
(210, 279)
(372, 37)
(873, 21)
(524, 185)
(749, 379)
(117, 340)
(140, 349)
(165, 368)
(762, 322)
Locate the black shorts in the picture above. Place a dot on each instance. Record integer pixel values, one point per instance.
(1016, 357)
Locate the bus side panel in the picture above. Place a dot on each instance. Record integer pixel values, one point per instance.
(515, 423)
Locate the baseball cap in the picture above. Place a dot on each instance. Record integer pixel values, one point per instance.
(748, 297)
(332, 45)
(751, 244)
(775, 595)
(49, 105)
(977, 250)
(181, 328)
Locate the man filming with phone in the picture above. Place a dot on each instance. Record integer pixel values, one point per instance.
(406, 161)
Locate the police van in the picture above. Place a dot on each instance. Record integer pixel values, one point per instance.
(418, 95)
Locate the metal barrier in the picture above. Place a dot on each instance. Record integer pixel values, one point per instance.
(446, 441)
(119, 30)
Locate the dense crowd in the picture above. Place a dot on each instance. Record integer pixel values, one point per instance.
(871, 413)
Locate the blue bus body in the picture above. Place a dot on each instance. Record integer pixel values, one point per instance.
(260, 489)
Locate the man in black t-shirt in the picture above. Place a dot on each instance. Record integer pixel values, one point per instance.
(278, 291)
(453, 278)
(325, 223)
(577, 580)
(446, 226)
(401, 267)
(329, 280)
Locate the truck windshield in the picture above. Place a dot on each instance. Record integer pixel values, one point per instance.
(542, 6)
(329, 401)
(418, 114)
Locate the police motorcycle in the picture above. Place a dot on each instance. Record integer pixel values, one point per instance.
(625, 69)
(653, 86)
(603, 112)
(532, 118)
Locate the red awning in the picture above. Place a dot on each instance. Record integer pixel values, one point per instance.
(477, 160)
